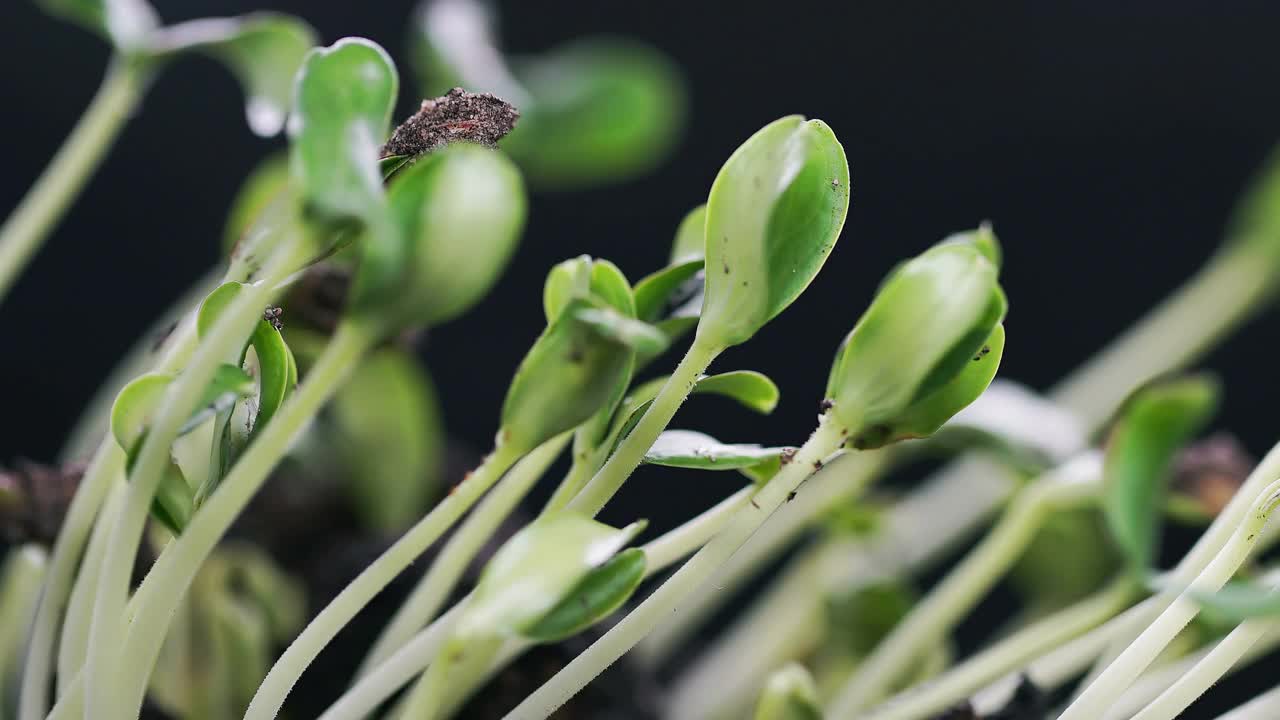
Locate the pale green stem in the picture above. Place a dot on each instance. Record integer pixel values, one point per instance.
(1264, 707)
(579, 474)
(783, 624)
(271, 694)
(75, 627)
(842, 479)
(631, 450)
(668, 548)
(1204, 550)
(433, 590)
(1224, 656)
(381, 682)
(1093, 701)
(952, 687)
(393, 673)
(1197, 316)
(103, 672)
(164, 587)
(81, 153)
(691, 576)
(22, 575)
(1156, 681)
(107, 465)
(1077, 482)
(99, 476)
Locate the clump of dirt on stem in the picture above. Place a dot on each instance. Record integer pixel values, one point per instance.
(457, 116)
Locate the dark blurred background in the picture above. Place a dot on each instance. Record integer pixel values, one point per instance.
(1106, 141)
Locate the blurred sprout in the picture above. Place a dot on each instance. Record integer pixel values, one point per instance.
(1255, 222)
(583, 361)
(240, 609)
(773, 216)
(916, 356)
(1151, 427)
(595, 110)
(789, 694)
(264, 184)
(860, 618)
(460, 210)
(387, 430)
(21, 579)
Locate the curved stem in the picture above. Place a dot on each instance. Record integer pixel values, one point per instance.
(280, 680)
(1077, 482)
(381, 682)
(433, 590)
(1007, 655)
(1092, 702)
(1224, 656)
(107, 464)
(81, 153)
(74, 643)
(631, 450)
(102, 673)
(842, 479)
(691, 576)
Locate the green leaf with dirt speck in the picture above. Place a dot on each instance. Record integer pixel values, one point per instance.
(1154, 423)
(596, 597)
(773, 216)
(925, 325)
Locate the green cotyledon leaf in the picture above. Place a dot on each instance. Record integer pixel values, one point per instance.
(773, 216)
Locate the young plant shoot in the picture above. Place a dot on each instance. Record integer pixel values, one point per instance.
(371, 235)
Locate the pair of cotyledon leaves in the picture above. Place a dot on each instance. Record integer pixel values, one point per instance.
(263, 50)
(137, 403)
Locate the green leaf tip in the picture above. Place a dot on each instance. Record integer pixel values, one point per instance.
(790, 693)
(928, 345)
(773, 216)
(1152, 425)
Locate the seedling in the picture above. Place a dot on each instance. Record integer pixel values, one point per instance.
(373, 234)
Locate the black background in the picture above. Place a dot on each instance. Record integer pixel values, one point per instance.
(1106, 141)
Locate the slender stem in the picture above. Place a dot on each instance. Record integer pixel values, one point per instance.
(1077, 482)
(1153, 683)
(691, 576)
(30, 222)
(784, 623)
(631, 450)
(1264, 707)
(21, 575)
(840, 481)
(393, 673)
(102, 472)
(668, 548)
(1224, 656)
(396, 671)
(280, 680)
(579, 474)
(433, 590)
(1007, 655)
(1198, 315)
(74, 643)
(1206, 547)
(102, 672)
(1092, 702)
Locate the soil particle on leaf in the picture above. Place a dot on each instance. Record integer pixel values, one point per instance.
(456, 116)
